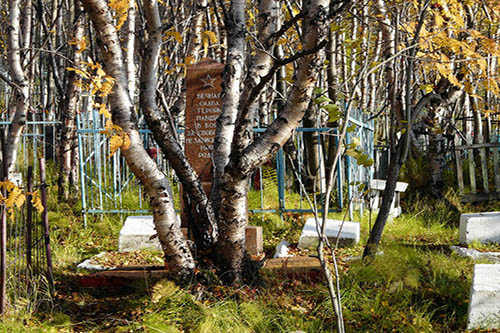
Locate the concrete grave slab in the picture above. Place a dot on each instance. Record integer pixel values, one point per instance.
(483, 227)
(349, 234)
(484, 305)
(136, 234)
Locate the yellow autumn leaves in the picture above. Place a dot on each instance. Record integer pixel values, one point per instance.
(208, 38)
(454, 50)
(98, 83)
(120, 8)
(15, 198)
(118, 138)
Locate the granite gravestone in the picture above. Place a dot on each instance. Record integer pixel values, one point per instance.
(203, 106)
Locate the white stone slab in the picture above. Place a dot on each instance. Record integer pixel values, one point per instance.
(483, 227)
(348, 236)
(484, 305)
(138, 232)
(282, 250)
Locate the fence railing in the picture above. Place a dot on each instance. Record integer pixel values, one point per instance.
(477, 168)
(25, 255)
(107, 186)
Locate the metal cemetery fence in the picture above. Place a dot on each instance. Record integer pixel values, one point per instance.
(25, 256)
(107, 186)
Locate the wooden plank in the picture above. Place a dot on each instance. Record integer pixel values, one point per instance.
(458, 161)
(472, 167)
(484, 167)
(495, 164)
(295, 264)
(134, 274)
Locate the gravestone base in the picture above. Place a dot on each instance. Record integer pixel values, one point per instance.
(482, 227)
(138, 233)
(348, 236)
(484, 305)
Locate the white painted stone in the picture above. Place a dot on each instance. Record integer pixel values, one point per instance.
(282, 250)
(377, 186)
(138, 232)
(349, 234)
(90, 264)
(475, 254)
(484, 305)
(483, 227)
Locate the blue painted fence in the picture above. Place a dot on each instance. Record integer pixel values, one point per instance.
(107, 186)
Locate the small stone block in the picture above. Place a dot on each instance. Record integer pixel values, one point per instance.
(483, 227)
(349, 234)
(484, 305)
(254, 240)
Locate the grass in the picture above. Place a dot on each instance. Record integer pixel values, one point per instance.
(415, 284)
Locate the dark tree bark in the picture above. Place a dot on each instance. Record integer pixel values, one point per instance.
(69, 107)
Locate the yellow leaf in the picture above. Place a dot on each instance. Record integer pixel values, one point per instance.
(15, 198)
(438, 19)
(100, 72)
(126, 142)
(121, 9)
(281, 41)
(36, 201)
(173, 33)
(81, 43)
(208, 37)
(78, 71)
(428, 88)
(103, 110)
(115, 142)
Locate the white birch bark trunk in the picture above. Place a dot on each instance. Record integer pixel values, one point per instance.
(130, 50)
(20, 91)
(233, 76)
(260, 67)
(234, 212)
(178, 256)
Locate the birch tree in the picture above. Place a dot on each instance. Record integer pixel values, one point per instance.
(221, 223)
(19, 85)
(178, 256)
